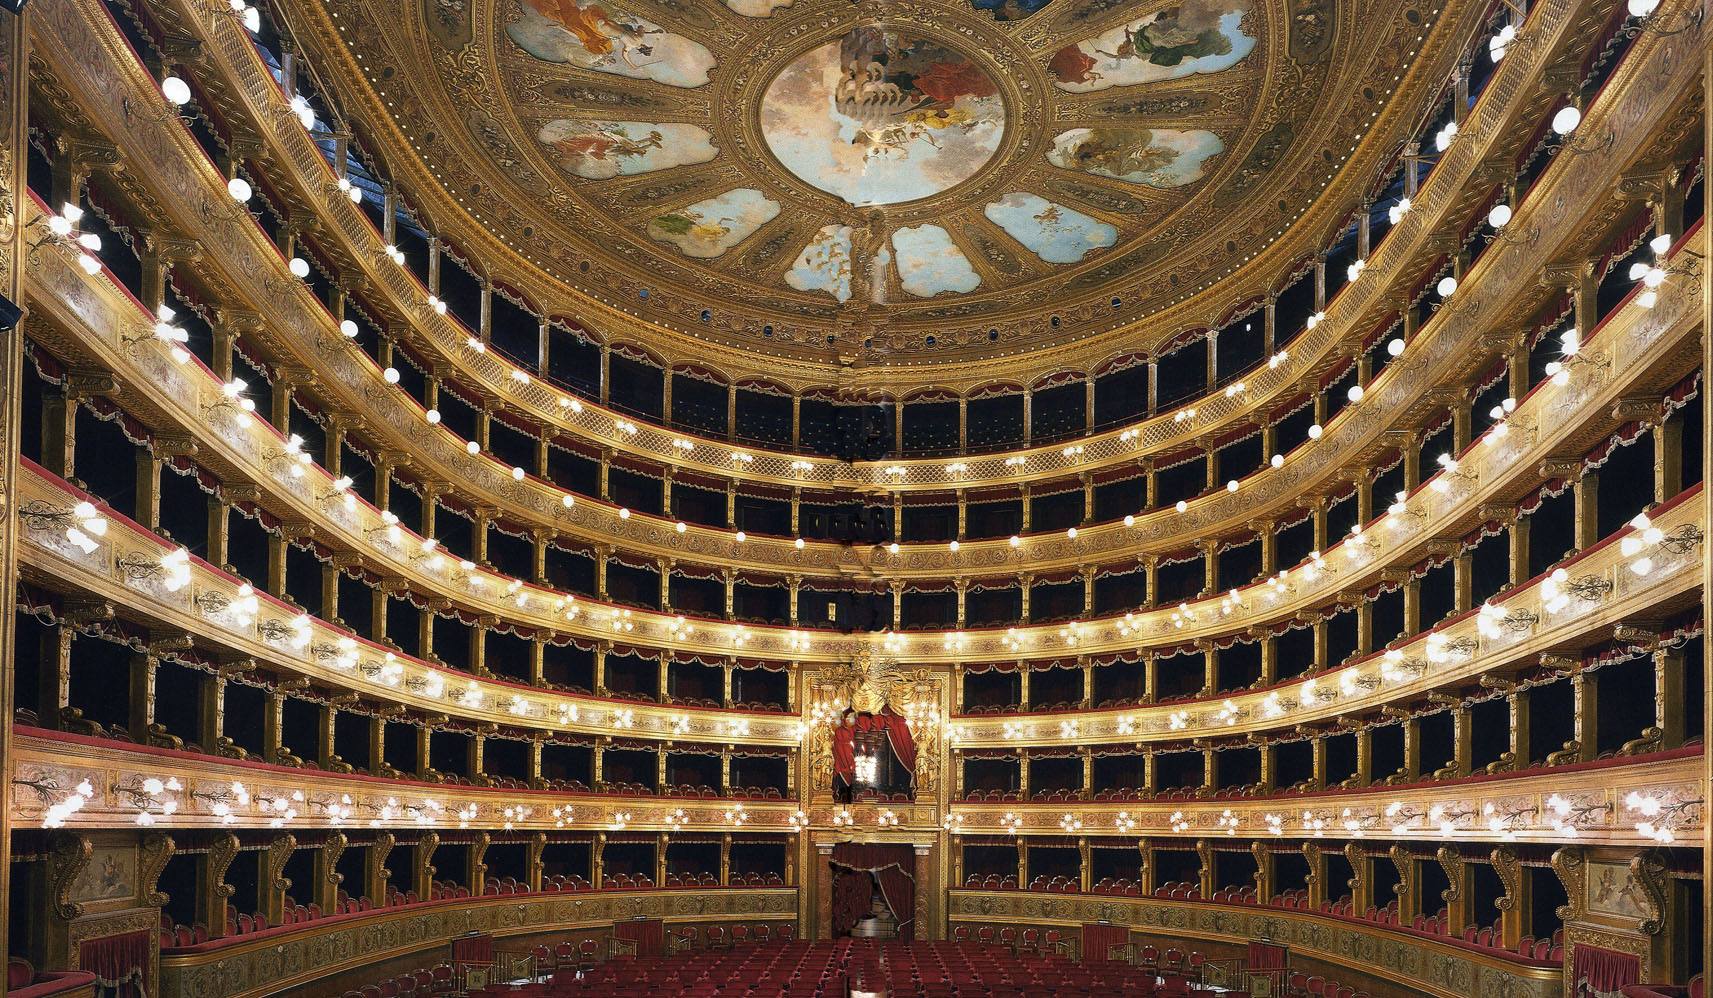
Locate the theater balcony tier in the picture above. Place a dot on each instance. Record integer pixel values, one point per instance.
(1627, 801)
(1652, 570)
(289, 322)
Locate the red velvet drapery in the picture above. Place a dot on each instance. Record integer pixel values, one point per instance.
(852, 892)
(120, 963)
(473, 949)
(1267, 956)
(1097, 939)
(895, 868)
(897, 736)
(649, 934)
(1602, 973)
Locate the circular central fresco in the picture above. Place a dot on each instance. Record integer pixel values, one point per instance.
(832, 177)
(881, 116)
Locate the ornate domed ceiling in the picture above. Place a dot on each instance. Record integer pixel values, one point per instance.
(931, 179)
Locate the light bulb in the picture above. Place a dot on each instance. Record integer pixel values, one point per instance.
(299, 267)
(472, 447)
(1500, 216)
(1278, 461)
(1315, 431)
(239, 188)
(1642, 8)
(1395, 347)
(1566, 120)
(390, 375)
(176, 91)
(1446, 286)
(1354, 394)
(432, 415)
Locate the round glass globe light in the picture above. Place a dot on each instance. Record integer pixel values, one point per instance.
(176, 91)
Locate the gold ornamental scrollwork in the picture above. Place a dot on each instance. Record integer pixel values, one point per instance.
(157, 849)
(68, 857)
(331, 850)
(279, 853)
(1570, 863)
(1510, 870)
(1451, 861)
(1648, 873)
(869, 684)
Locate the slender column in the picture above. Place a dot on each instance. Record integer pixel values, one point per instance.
(1668, 459)
(963, 424)
(1463, 741)
(731, 412)
(666, 398)
(144, 665)
(1412, 747)
(211, 712)
(147, 494)
(1585, 708)
(1585, 497)
(1669, 714)
(1028, 416)
(219, 526)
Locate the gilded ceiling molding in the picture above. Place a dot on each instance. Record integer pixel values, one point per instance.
(784, 468)
(784, 554)
(741, 82)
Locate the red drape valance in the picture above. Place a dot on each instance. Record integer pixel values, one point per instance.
(1602, 973)
(120, 964)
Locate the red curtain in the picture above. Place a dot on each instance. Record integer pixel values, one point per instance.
(120, 963)
(1602, 973)
(898, 736)
(1097, 939)
(1267, 956)
(893, 866)
(473, 949)
(649, 934)
(852, 894)
(844, 751)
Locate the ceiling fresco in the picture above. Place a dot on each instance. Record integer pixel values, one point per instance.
(905, 177)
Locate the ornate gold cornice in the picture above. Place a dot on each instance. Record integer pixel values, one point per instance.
(1432, 55)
